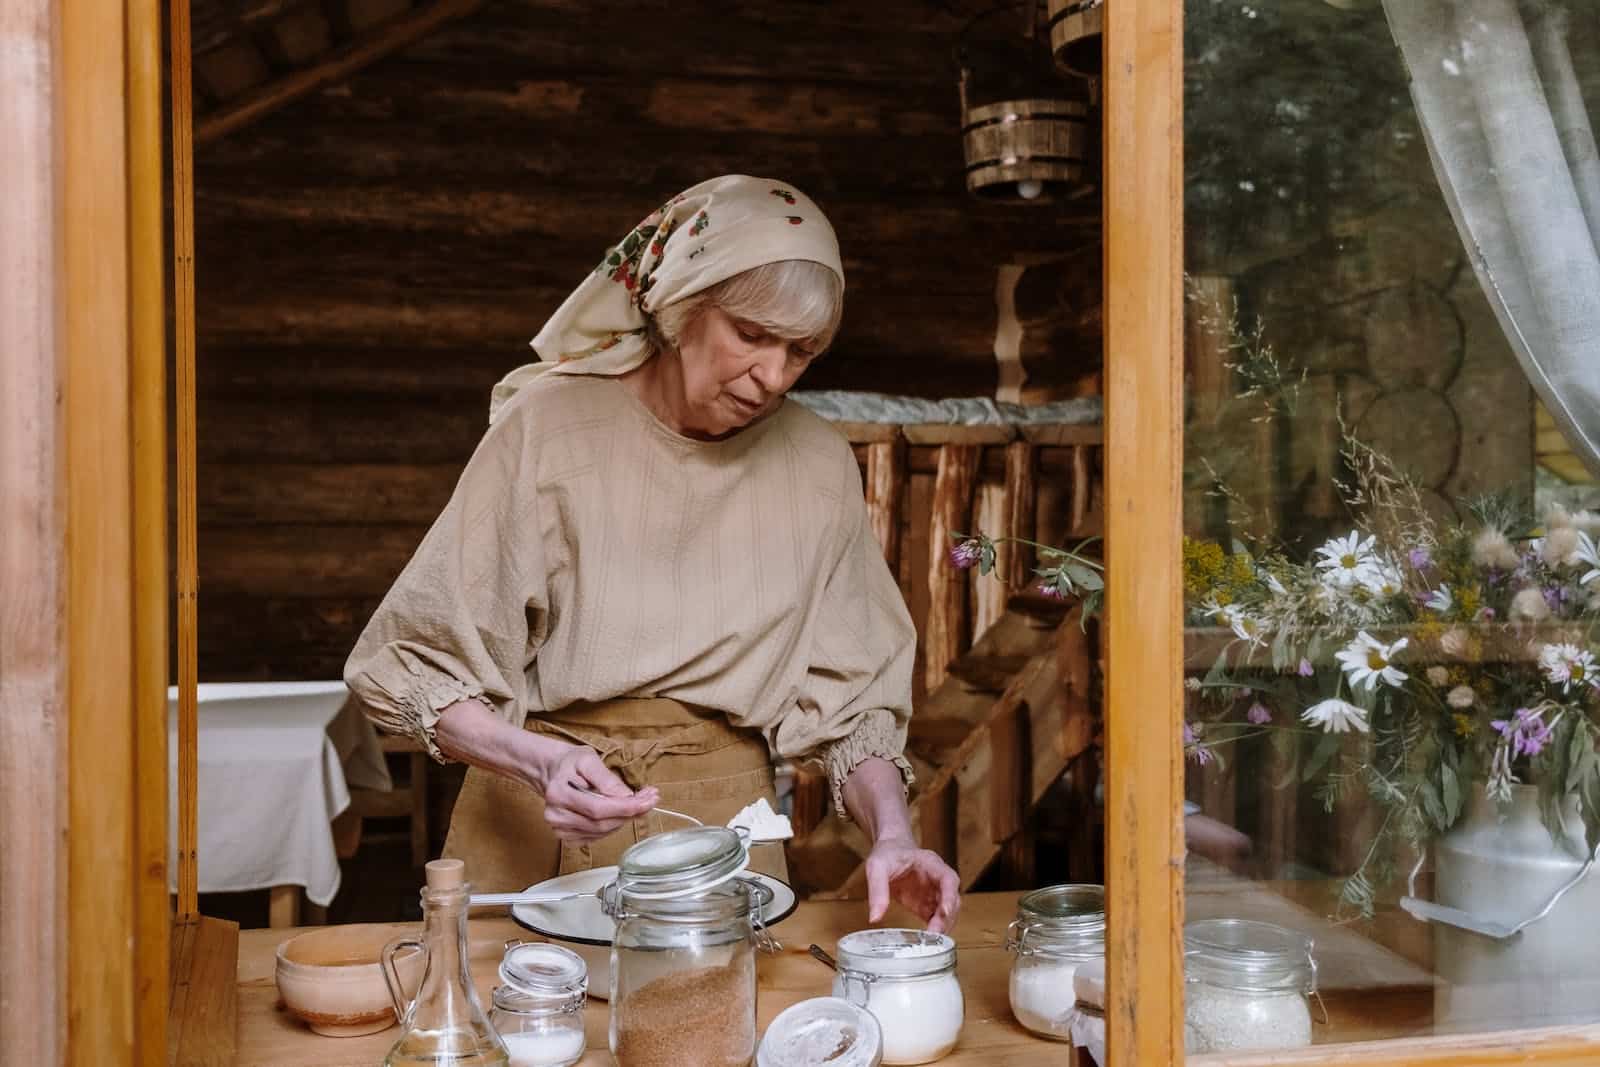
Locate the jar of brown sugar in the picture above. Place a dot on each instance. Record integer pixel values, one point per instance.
(683, 958)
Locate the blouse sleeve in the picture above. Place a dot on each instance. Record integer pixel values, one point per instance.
(469, 611)
(855, 700)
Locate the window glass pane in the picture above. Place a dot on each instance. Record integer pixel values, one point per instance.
(1392, 588)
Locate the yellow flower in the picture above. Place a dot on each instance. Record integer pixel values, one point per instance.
(1465, 725)
(1202, 567)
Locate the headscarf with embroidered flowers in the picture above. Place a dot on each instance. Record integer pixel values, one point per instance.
(702, 236)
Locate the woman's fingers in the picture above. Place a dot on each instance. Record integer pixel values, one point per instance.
(595, 809)
(877, 891)
(948, 904)
(921, 882)
(601, 779)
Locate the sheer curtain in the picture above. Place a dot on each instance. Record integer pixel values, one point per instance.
(1500, 105)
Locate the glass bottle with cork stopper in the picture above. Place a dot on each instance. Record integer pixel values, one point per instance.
(445, 1024)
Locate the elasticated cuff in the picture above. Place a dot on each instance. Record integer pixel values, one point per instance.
(428, 698)
(877, 733)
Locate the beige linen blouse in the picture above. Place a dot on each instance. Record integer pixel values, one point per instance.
(589, 552)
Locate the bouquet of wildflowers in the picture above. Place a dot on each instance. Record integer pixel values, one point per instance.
(1460, 653)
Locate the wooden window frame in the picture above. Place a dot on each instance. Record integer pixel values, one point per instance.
(1143, 216)
(83, 767)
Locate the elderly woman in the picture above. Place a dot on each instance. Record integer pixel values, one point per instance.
(655, 573)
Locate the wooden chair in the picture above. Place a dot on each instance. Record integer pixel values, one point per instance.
(410, 801)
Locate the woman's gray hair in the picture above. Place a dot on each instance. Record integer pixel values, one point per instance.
(794, 299)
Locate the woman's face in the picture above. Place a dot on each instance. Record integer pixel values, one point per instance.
(734, 372)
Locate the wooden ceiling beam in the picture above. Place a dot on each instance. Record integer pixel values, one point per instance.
(383, 40)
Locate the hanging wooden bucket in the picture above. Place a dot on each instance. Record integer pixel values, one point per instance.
(1075, 29)
(1022, 151)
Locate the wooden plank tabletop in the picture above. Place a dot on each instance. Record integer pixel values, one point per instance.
(1374, 994)
(268, 1035)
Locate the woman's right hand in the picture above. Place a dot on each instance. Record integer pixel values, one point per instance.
(584, 800)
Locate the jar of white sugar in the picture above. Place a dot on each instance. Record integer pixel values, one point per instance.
(907, 980)
(538, 1007)
(1056, 930)
(1247, 986)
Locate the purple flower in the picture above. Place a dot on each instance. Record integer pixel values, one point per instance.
(1259, 714)
(1532, 733)
(1202, 755)
(1304, 670)
(1051, 590)
(1526, 731)
(966, 554)
(1533, 743)
(1420, 559)
(1188, 734)
(1485, 614)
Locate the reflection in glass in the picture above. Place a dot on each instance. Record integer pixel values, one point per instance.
(1392, 691)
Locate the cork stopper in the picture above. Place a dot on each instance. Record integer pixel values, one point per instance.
(446, 874)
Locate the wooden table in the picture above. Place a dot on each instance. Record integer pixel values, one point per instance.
(1372, 993)
(268, 1035)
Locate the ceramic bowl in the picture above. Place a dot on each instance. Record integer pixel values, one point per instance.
(331, 980)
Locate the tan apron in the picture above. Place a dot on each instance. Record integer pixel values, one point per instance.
(702, 765)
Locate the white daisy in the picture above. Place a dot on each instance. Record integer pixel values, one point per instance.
(1345, 560)
(1586, 554)
(1369, 661)
(1381, 578)
(1440, 600)
(1274, 585)
(1568, 665)
(1336, 716)
(1244, 626)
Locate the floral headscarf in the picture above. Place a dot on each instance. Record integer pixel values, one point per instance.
(700, 237)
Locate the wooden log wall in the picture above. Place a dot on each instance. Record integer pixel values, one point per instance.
(373, 257)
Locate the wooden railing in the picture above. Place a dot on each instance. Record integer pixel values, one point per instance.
(926, 482)
(1003, 697)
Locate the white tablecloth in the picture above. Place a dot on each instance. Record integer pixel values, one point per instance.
(277, 760)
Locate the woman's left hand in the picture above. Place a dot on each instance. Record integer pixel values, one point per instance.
(914, 877)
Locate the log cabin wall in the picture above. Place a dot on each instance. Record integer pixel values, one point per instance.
(374, 256)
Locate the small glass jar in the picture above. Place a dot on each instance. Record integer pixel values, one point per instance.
(907, 979)
(822, 1030)
(1056, 930)
(538, 1007)
(683, 969)
(1247, 986)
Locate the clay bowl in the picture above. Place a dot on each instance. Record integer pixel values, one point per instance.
(330, 978)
